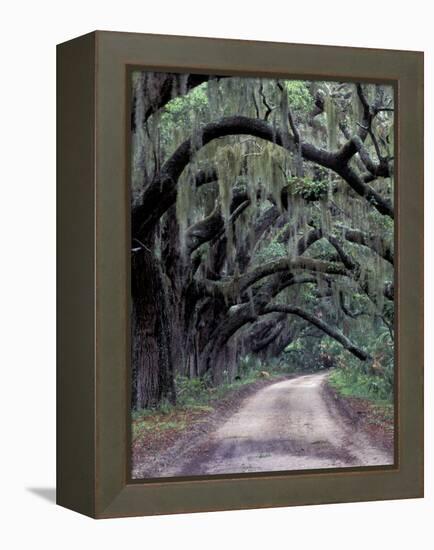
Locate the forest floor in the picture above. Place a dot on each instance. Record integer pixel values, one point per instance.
(296, 423)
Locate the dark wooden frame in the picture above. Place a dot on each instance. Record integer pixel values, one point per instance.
(93, 271)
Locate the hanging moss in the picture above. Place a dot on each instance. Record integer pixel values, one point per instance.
(265, 172)
(228, 160)
(182, 83)
(330, 110)
(263, 169)
(292, 242)
(138, 137)
(184, 205)
(335, 300)
(356, 109)
(196, 134)
(213, 94)
(284, 110)
(251, 301)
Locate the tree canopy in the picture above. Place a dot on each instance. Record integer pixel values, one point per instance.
(262, 223)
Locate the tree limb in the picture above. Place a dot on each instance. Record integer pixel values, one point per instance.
(379, 245)
(333, 332)
(284, 264)
(161, 193)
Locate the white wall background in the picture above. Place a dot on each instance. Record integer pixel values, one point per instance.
(29, 32)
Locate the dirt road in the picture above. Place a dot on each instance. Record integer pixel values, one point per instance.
(288, 425)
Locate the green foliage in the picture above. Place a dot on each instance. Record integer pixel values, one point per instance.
(299, 97)
(309, 354)
(355, 382)
(251, 366)
(193, 391)
(181, 115)
(180, 107)
(372, 379)
(272, 251)
(311, 190)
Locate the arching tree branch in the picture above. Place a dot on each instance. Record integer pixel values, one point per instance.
(241, 284)
(376, 243)
(205, 230)
(333, 332)
(161, 193)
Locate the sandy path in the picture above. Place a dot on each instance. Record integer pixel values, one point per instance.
(285, 426)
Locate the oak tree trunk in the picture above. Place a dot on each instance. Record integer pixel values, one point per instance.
(153, 377)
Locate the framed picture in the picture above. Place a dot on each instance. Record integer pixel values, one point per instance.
(240, 270)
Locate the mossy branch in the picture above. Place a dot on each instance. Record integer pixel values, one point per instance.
(161, 193)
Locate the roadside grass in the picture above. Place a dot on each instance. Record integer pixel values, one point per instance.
(353, 383)
(196, 397)
(154, 423)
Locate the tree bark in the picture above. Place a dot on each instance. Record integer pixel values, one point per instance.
(152, 365)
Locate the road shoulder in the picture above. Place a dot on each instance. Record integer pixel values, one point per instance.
(155, 457)
(364, 415)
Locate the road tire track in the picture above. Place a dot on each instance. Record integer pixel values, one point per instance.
(288, 425)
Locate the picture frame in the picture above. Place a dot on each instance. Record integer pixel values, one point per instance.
(93, 475)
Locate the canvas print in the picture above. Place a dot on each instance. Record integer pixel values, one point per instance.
(262, 275)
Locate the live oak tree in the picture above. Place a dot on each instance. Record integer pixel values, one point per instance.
(261, 210)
